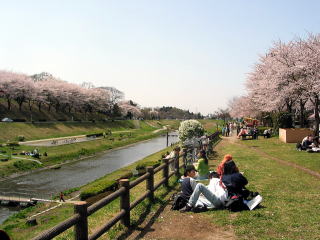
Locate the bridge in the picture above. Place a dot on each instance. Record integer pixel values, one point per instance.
(22, 201)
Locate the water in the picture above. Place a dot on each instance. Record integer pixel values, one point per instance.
(46, 183)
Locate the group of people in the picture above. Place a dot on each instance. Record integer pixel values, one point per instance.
(228, 128)
(226, 187)
(249, 131)
(35, 153)
(309, 144)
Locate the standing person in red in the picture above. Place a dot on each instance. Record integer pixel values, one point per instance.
(62, 197)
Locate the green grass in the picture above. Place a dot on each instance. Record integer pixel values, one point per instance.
(11, 131)
(285, 151)
(290, 199)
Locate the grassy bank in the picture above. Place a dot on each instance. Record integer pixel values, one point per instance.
(290, 195)
(34, 131)
(137, 131)
(18, 229)
(286, 151)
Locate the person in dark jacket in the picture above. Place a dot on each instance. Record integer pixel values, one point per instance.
(233, 180)
(188, 183)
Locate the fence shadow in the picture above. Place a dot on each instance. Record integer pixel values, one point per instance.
(151, 220)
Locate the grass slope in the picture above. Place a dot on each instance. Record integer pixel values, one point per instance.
(139, 131)
(290, 197)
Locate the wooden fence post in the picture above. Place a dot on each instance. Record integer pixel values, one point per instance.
(125, 202)
(165, 173)
(176, 165)
(81, 228)
(150, 183)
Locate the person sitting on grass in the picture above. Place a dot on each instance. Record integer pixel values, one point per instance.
(202, 166)
(306, 143)
(267, 133)
(239, 197)
(211, 197)
(188, 183)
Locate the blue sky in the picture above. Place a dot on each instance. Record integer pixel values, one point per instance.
(191, 54)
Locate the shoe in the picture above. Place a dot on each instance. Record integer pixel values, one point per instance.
(186, 208)
(199, 209)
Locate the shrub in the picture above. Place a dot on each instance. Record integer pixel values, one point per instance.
(101, 185)
(83, 151)
(25, 165)
(13, 144)
(189, 129)
(282, 120)
(19, 120)
(21, 138)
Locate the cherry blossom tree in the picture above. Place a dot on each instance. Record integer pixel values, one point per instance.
(129, 109)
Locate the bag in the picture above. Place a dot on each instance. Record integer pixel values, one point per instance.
(235, 204)
(178, 202)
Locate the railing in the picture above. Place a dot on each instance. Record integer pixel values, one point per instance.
(80, 219)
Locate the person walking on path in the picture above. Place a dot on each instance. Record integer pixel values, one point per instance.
(61, 197)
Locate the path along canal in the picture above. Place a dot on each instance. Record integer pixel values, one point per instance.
(49, 182)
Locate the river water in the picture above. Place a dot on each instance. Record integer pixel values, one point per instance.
(46, 183)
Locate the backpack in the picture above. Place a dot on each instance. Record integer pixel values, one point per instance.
(178, 201)
(235, 203)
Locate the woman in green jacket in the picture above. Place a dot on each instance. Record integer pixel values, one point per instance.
(202, 166)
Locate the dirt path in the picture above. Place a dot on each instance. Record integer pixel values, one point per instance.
(167, 224)
(175, 225)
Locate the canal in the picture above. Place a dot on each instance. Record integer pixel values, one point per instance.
(49, 182)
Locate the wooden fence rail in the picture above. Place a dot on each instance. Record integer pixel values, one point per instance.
(81, 210)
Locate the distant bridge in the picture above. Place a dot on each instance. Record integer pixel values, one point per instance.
(22, 201)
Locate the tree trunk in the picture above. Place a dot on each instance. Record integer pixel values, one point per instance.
(316, 115)
(30, 105)
(57, 107)
(39, 106)
(301, 113)
(9, 103)
(20, 105)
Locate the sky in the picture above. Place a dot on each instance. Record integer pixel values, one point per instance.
(194, 55)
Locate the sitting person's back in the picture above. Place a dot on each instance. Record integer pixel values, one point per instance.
(233, 180)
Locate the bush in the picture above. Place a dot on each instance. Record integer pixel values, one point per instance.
(189, 129)
(19, 120)
(102, 185)
(282, 120)
(95, 135)
(25, 165)
(261, 130)
(21, 138)
(42, 120)
(83, 151)
(13, 144)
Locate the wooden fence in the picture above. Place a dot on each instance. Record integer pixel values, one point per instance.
(82, 211)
